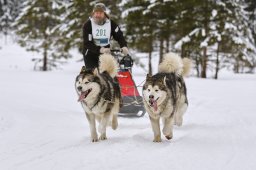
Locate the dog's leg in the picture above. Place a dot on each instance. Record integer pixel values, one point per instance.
(114, 122)
(103, 126)
(114, 112)
(168, 126)
(179, 114)
(91, 120)
(156, 129)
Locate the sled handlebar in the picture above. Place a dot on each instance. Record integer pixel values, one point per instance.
(116, 50)
(125, 61)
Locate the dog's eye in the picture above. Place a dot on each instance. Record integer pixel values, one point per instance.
(149, 90)
(86, 82)
(156, 90)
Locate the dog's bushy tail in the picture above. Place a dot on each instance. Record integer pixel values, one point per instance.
(172, 63)
(109, 64)
(187, 65)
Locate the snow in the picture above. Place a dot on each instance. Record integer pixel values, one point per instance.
(214, 13)
(186, 38)
(42, 126)
(133, 9)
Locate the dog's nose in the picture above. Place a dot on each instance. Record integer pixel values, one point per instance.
(79, 88)
(151, 96)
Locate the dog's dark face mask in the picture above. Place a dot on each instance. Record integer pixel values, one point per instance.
(83, 83)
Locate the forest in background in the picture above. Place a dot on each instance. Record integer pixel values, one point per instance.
(215, 34)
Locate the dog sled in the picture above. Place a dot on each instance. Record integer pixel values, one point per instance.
(132, 101)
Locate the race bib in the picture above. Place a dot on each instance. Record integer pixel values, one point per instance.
(101, 33)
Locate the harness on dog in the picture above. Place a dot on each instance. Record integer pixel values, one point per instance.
(99, 98)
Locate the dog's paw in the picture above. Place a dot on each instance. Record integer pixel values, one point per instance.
(94, 137)
(178, 121)
(103, 137)
(169, 137)
(95, 140)
(157, 139)
(114, 124)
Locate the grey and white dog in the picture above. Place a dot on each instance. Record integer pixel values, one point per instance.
(100, 95)
(165, 95)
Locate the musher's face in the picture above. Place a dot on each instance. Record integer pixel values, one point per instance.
(99, 17)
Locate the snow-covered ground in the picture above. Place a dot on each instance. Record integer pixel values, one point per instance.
(43, 127)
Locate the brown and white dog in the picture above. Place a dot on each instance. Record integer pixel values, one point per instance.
(165, 95)
(100, 95)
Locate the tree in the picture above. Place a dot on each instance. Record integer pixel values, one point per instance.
(212, 31)
(36, 28)
(140, 27)
(251, 9)
(5, 17)
(196, 35)
(241, 36)
(9, 11)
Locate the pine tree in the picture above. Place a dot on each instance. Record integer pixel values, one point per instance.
(5, 17)
(241, 37)
(36, 28)
(9, 11)
(167, 24)
(1, 14)
(195, 32)
(75, 14)
(251, 9)
(140, 27)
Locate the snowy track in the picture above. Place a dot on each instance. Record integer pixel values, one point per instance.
(42, 126)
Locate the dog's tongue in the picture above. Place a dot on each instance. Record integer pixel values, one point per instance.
(82, 96)
(154, 104)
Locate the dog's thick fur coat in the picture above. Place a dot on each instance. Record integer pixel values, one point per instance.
(100, 96)
(165, 95)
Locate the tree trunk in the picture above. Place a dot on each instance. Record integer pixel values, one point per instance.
(205, 57)
(45, 39)
(197, 66)
(236, 67)
(45, 59)
(149, 63)
(167, 45)
(161, 50)
(217, 62)
(204, 63)
(150, 56)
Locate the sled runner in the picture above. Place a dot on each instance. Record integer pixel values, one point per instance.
(132, 101)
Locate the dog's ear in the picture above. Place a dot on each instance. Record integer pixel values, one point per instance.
(164, 80)
(96, 72)
(82, 70)
(148, 77)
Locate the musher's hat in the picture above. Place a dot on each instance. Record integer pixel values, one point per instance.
(99, 7)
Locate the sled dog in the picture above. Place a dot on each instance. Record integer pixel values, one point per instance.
(100, 96)
(165, 95)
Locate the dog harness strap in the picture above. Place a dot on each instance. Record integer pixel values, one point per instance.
(95, 103)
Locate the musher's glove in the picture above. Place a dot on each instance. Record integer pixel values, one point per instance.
(104, 50)
(125, 50)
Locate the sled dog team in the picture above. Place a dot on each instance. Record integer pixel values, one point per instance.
(164, 95)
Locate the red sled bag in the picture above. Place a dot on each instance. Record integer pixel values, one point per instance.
(132, 101)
